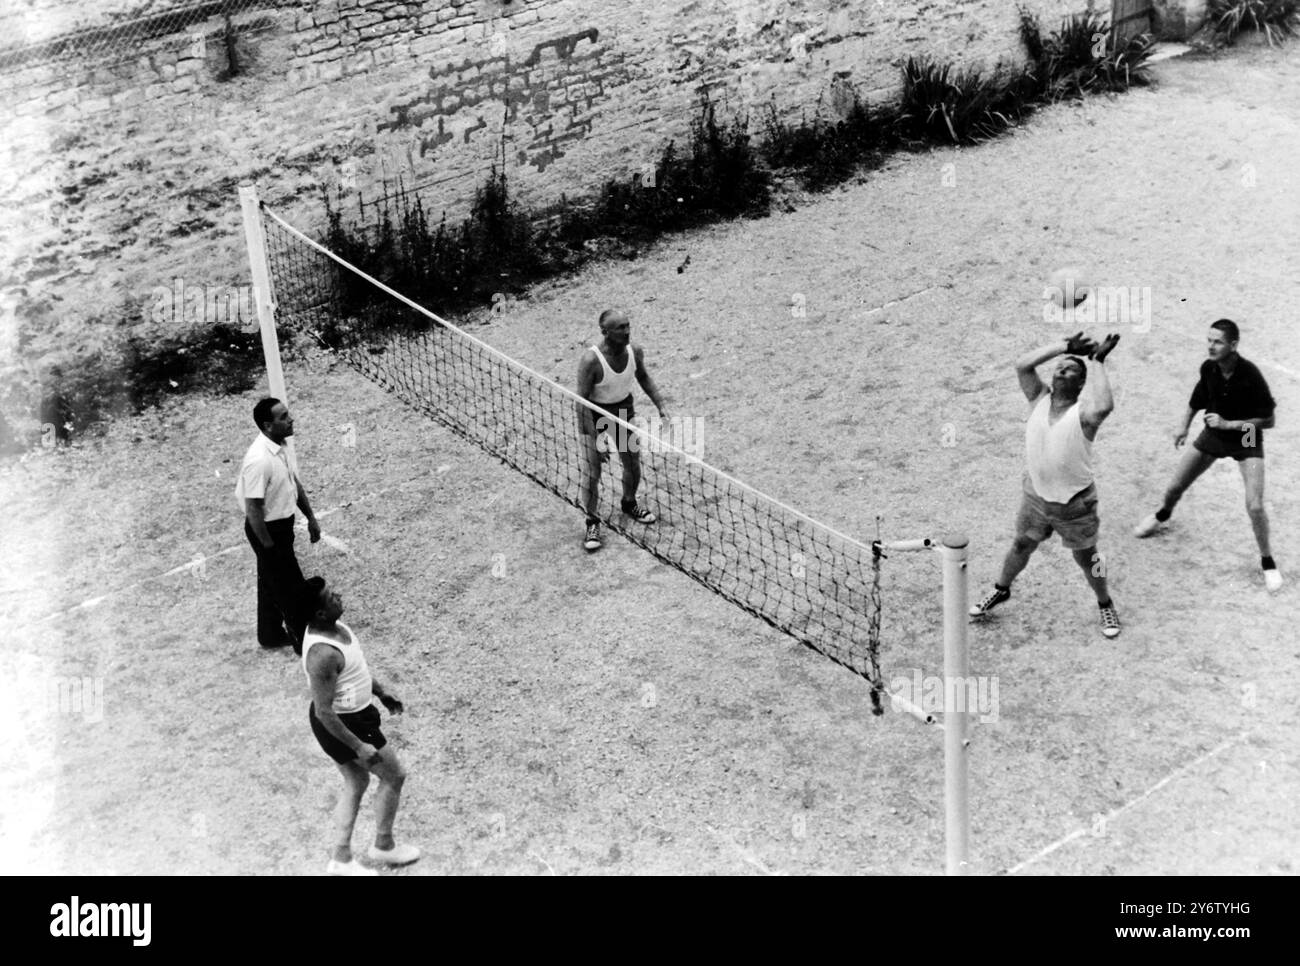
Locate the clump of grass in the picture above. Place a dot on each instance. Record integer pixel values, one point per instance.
(129, 374)
(80, 396)
(500, 248)
(1275, 19)
(1081, 58)
(726, 177)
(824, 153)
(720, 177)
(220, 359)
(493, 250)
(944, 105)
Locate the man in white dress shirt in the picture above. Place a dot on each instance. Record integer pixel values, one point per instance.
(268, 492)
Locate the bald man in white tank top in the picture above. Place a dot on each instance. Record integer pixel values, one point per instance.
(1059, 490)
(606, 375)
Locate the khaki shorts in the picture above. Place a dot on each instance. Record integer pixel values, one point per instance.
(1076, 521)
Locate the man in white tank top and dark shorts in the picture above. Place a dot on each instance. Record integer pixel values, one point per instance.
(606, 376)
(1059, 490)
(346, 724)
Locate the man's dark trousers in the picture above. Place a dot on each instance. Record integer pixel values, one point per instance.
(279, 579)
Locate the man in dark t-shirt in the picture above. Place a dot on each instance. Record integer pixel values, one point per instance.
(1238, 408)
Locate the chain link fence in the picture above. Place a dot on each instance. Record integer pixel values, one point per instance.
(54, 33)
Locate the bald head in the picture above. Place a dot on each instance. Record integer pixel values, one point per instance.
(611, 317)
(616, 329)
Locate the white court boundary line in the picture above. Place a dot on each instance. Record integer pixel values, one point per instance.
(1115, 813)
(202, 560)
(1264, 363)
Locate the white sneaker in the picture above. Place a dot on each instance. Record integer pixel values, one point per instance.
(348, 868)
(995, 597)
(1148, 526)
(397, 855)
(1273, 580)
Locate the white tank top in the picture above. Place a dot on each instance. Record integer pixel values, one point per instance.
(614, 386)
(1059, 456)
(352, 691)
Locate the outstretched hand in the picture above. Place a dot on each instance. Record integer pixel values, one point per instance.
(1100, 352)
(391, 703)
(1080, 345)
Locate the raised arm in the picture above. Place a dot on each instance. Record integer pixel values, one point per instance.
(1027, 366)
(1099, 401)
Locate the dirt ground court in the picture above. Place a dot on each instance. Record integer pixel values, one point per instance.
(574, 714)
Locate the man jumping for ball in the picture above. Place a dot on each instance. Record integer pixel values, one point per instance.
(1238, 408)
(1059, 491)
(606, 375)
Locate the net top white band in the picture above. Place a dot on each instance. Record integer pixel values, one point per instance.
(555, 385)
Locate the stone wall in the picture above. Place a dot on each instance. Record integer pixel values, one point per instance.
(119, 164)
(1177, 19)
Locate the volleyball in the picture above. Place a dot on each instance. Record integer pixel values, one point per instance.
(1067, 287)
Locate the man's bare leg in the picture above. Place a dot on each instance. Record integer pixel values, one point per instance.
(1094, 570)
(1252, 475)
(355, 781)
(590, 475)
(1022, 548)
(1192, 465)
(391, 777)
(631, 474)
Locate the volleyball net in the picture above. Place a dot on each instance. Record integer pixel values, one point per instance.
(798, 574)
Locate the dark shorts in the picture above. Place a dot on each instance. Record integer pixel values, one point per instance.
(620, 439)
(623, 409)
(1218, 443)
(364, 724)
(1076, 521)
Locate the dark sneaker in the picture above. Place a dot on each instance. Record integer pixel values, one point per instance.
(995, 597)
(638, 513)
(1109, 621)
(592, 541)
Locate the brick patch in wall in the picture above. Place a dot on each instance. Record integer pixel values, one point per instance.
(550, 82)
